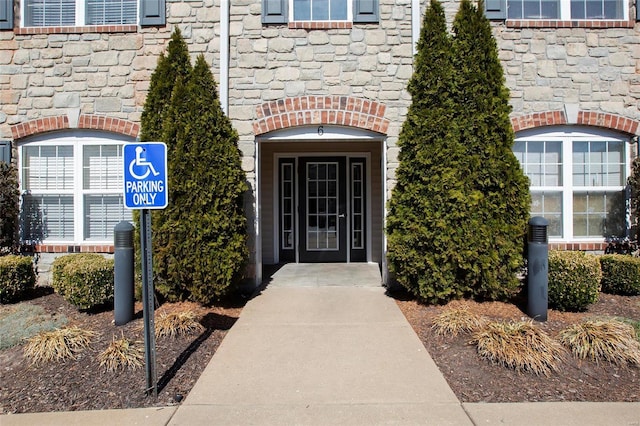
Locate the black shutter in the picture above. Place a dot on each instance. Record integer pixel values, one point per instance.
(152, 12)
(365, 11)
(6, 14)
(495, 9)
(637, 10)
(5, 151)
(274, 11)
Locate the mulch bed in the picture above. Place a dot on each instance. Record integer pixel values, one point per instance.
(81, 384)
(475, 380)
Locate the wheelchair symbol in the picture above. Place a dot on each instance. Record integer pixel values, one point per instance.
(141, 161)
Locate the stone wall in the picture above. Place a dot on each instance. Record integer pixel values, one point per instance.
(592, 69)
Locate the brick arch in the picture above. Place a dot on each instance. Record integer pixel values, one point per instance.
(314, 110)
(585, 118)
(85, 121)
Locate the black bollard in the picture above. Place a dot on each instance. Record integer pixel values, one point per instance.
(123, 273)
(538, 269)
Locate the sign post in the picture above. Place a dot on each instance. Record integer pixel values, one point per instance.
(145, 188)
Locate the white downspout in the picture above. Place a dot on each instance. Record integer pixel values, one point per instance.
(415, 24)
(224, 56)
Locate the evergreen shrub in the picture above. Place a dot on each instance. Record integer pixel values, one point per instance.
(17, 277)
(620, 274)
(84, 280)
(574, 280)
(459, 209)
(9, 207)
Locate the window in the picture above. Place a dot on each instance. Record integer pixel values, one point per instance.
(577, 182)
(283, 11)
(320, 10)
(77, 13)
(72, 189)
(567, 9)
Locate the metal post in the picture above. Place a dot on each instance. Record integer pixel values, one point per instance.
(123, 270)
(148, 303)
(538, 269)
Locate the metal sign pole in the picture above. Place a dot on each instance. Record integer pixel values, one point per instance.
(148, 303)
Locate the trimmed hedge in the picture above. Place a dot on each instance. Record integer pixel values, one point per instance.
(620, 274)
(84, 280)
(574, 280)
(17, 277)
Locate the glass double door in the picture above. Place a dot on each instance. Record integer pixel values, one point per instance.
(322, 209)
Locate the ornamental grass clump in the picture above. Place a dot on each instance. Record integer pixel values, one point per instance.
(456, 320)
(177, 324)
(610, 340)
(121, 353)
(518, 345)
(57, 345)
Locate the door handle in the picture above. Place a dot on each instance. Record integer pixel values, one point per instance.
(342, 216)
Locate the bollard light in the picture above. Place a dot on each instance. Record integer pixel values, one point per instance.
(538, 269)
(123, 291)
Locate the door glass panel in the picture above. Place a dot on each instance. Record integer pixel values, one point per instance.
(322, 199)
(357, 206)
(287, 205)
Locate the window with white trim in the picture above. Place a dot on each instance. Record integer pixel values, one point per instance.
(356, 11)
(58, 13)
(566, 10)
(577, 182)
(72, 188)
(321, 10)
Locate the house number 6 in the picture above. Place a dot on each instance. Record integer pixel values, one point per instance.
(320, 130)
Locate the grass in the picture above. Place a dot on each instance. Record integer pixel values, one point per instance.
(57, 345)
(518, 345)
(177, 324)
(453, 321)
(23, 320)
(609, 339)
(121, 353)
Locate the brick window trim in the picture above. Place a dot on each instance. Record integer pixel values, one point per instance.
(65, 248)
(85, 121)
(320, 25)
(585, 118)
(76, 30)
(569, 24)
(578, 246)
(326, 110)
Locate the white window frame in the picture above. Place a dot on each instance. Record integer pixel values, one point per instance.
(565, 14)
(77, 140)
(567, 136)
(80, 18)
(349, 14)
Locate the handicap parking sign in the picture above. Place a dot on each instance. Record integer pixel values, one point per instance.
(145, 175)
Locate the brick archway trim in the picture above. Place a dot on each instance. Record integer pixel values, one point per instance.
(317, 110)
(586, 118)
(85, 121)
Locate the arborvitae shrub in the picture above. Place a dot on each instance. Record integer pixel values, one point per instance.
(459, 209)
(574, 280)
(84, 280)
(204, 239)
(17, 277)
(422, 248)
(620, 274)
(9, 207)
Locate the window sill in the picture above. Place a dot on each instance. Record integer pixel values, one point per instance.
(74, 248)
(320, 25)
(77, 30)
(523, 23)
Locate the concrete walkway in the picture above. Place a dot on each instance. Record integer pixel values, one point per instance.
(331, 354)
